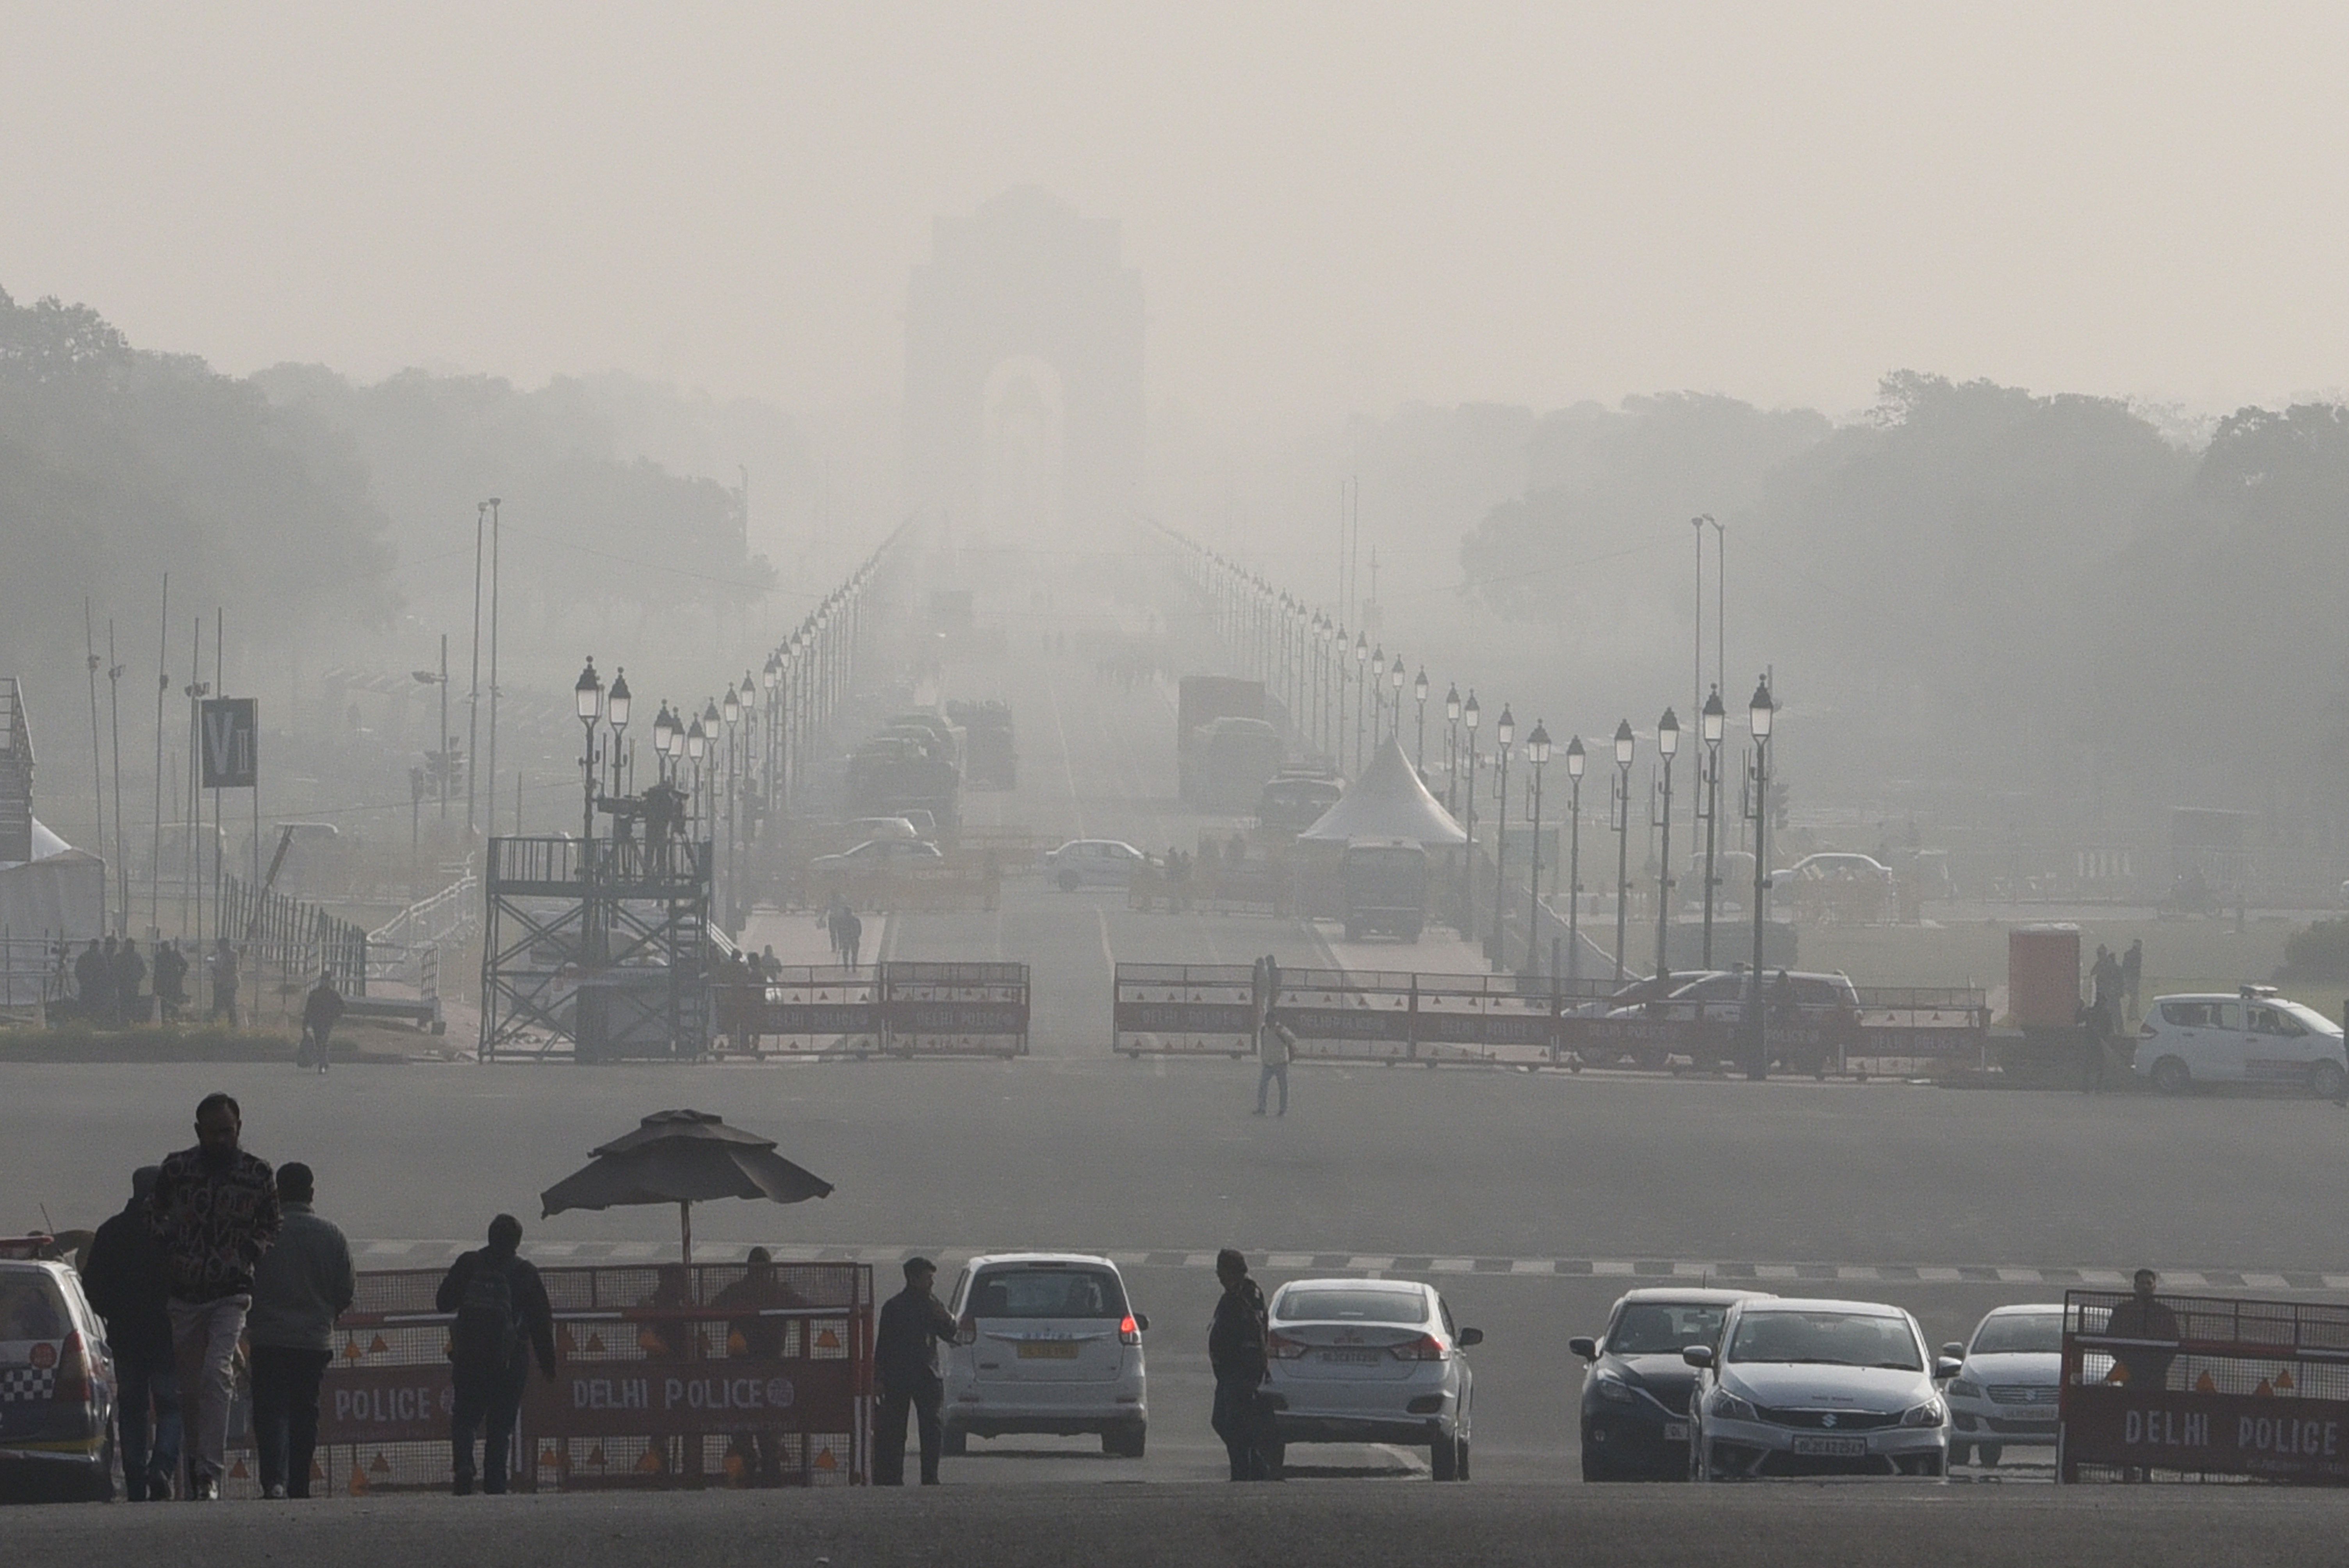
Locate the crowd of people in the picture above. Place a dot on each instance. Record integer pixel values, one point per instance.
(107, 982)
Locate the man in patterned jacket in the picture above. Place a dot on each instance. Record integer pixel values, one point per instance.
(214, 1213)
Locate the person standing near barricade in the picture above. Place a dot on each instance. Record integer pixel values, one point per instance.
(171, 982)
(914, 1324)
(224, 981)
(1279, 1045)
(755, 1457)
(502, 1317)
(127, 1283)
(90, 978)
(129, 974)
(2132, 975)
(214, 1213)
(852, 937)
(1237, 1352)
(321, 1010)
(303, 1283)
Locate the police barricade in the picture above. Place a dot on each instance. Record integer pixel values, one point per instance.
(2203, 1388)
(905, 1009)
(666, 1375)
(1183, 1009)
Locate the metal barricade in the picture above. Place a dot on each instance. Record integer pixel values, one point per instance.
(905, 1009)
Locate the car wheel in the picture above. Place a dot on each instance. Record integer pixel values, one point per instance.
(1444, 1457)
(1987, 1456)
(955, 1441)
(1068, 882)
(2170, 1076)
(1125, 1442)
(1958, 1452)
(2325, 1081)
(1593, 1471)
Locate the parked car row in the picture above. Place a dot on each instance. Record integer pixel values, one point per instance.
(1717, 1385)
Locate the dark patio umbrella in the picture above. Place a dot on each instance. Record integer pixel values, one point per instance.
(682, 1157)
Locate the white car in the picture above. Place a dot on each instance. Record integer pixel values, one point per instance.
(876, 855)
(1799, 1388)
(2005, 1395)
(2252, 1037)
(1092, 862)
(1048, 1343)
(1369, 1361)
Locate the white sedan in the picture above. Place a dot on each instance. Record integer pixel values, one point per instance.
(878, 855)
(1369, 1361)
(2005, 1395)
(2252, 1037)
(1092, 862)
(1817, 1387)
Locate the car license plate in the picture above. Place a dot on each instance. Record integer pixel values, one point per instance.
(1676, 1431)
(1064, 1350)
(1831, 1448)
(1353, 1357)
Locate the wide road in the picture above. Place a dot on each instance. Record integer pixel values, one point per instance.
(1532, 1199)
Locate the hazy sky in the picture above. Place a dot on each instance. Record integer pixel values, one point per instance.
(1334, 206)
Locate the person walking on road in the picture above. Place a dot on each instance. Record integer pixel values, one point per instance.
(223, 983)
(502, 1316)
(127, 1284)
(303, 1283)
(320, 1012)
(852, 937)
(914, 1324)
(1279, 1045)
(1237, 1352)
(214, 1213)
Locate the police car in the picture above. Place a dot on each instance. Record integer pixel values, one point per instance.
(2253, 1036)
(56, 1382)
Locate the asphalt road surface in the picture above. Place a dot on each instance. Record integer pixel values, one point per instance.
(1532, 1199)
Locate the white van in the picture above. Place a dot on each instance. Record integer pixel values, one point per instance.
(2252, 1037)
(1048, 1342)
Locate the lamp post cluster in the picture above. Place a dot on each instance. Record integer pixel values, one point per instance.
(1304, 655)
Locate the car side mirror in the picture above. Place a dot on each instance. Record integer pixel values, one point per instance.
(1585, 1348)
(1698, 1356)
(1947, 1368)
(1470, 1337)
(1954, 1351)
(1141, 1322)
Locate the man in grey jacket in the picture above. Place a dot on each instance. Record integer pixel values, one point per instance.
(302, 1285)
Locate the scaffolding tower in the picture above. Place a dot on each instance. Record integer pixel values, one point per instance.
(596, 951)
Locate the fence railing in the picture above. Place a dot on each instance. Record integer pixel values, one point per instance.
(296, 939)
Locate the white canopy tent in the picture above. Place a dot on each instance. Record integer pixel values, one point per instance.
(60, 891)
(1388, 801)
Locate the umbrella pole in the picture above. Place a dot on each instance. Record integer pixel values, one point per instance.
(684, 1224)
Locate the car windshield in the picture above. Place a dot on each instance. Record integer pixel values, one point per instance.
(1663, 1328)
(1340, 1306)
(1047, 1293)
(2020, 1332)
(1835, 1338)
(29, 1308)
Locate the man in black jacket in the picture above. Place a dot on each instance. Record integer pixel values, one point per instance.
(125, 1281)
(503, 1315)
(906, 1364)
(1236, 1352)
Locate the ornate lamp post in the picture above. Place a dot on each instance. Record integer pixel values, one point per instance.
(768, 677)
(1668, 742)
(588, 698)
(1468, 717)
(1713, 721)
(1396, 678)
(692, 746)
(616, 714)
(731, 712)
(1760, 711)
(1419, 690)
(1496, 945)
(1362, 679)
(1537, 753)
(1622, 804)
(707, 777)
(1573, 760)
(1451, 749)
(665, 735)
(753, 743)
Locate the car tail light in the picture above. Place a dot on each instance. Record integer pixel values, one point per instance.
(1129, 1332)
(1426, 1348)
(73, 1373)
(1284, 1348)
(966, 1331)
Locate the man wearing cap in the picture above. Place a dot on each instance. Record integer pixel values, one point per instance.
(906, 1364)
(302, 1284)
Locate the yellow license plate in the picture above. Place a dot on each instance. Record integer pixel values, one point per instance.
(1048, 1353)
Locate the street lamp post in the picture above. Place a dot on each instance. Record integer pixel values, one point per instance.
(1497, 946)
(1622, 804)
(1362, 678)
(441, 680)
(1759, 713)
(731, 712)
(587, 700)
(1537, 753)
(1396, 678)
(1468, 717)
(1451, 749)
(1419, 690)
(1709, 802)
(1668, 742)
(1573, 760)
(768, 677)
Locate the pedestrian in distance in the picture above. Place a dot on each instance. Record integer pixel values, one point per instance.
(171, 982)
(129, 974)
(914, 1324)
(91, 978)
(127, 1283)
(1279, 1045)
(852, 937)
(214, 1213)
(321, 1010)
(110, 1001)
(303, 1283)
(1238, 1351)
(2132, 975)
(223, 965)
(502, 1316)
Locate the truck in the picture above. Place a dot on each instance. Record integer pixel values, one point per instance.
(1200, 701)
(991, 758)
(1383, 883)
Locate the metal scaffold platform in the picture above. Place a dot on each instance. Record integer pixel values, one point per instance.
(595, 952)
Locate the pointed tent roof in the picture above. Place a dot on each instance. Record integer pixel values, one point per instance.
(1388, 801)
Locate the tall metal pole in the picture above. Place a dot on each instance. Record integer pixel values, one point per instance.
(473, 693)
(1762, 711)
(1497, 944)
(1709, 803)
(114, 723)
(1622, 804)
(1537, 753)
(1468, 867)
(489, 778)
(96, 757)
(1574, 860)
(1667, 741)
(162, 690)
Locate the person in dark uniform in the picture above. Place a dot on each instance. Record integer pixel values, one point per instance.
(2145, 1316)
(90, 978)
(129, 972)
(321, 1010)
(1238, 1353)
(914, 1322)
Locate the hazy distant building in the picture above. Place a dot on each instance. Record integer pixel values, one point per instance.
(1023, 371)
